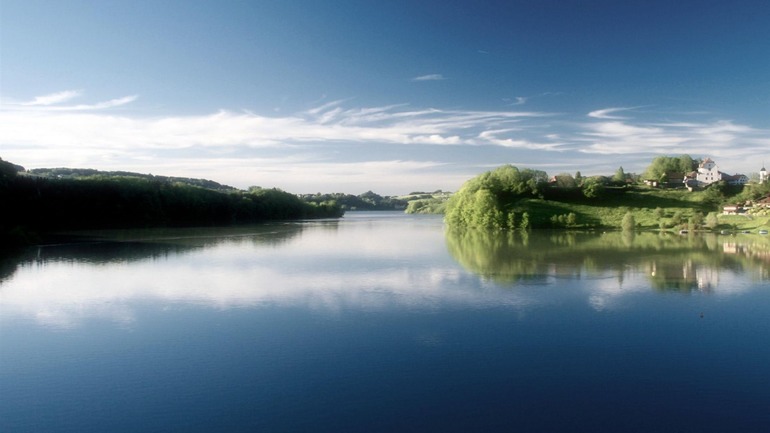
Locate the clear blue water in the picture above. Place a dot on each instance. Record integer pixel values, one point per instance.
(385, 323)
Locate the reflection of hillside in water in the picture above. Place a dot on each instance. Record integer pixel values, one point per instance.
(125, 246)
(670, 262)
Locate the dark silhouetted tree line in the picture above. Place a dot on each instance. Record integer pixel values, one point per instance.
(33, 204)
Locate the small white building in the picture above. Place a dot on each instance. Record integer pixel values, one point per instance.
(762, 175)
(708, 173)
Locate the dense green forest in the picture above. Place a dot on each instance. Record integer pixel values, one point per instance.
(509, 198)
(34, 203)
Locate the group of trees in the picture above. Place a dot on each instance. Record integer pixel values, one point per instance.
(366, 201)
(489, 200)
(509, 198)
(661, 166)
(33, 203)
(81, 173)
(492, 199)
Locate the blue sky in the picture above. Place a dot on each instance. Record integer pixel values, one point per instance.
(389, 96)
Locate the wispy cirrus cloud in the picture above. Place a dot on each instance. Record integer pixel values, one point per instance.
(614, 135)
(607, 113)
(54, 102)
(429, 77)
(329, 122)
(290, 150)
(95, 135)
(53, 98)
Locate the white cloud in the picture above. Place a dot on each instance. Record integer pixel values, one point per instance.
(329, 122)
(53, 98)
(51, 103)
(606, 113)
(221, 146)
(429, 77)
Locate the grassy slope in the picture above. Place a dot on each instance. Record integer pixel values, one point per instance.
(609, 211)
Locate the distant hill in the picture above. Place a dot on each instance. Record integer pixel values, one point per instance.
(366, 201)
(84, 173)
(47, 200)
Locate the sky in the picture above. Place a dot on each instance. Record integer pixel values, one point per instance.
(390, 96)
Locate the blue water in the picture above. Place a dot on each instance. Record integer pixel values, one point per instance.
(369, 325)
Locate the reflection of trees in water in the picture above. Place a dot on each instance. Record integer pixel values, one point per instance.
(8, 262)
(116, 246)
(671, 262)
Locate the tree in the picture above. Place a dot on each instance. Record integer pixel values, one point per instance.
(571, 219)
(712, 221)
(593, 187)
(620, 176)
(511, 220)
(629, 222)
(696, 221)
(501, 188)
(565, 180)
(663, 164)
(524, 221)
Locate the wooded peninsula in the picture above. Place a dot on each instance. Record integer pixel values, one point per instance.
(675, 193)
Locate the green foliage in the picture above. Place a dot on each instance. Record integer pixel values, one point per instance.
(712, 221)
(518, 255)
(488, 199)
(676, 219)
(620, 176)
(426, 206)
(594, 205)
(593, 187)
(629, 222)
(366, 201)
(565, 180)
(426, 202)
(664, 164)
(564, 220)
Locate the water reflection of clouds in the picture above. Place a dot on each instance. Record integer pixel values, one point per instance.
(63, 294)
(361, 266)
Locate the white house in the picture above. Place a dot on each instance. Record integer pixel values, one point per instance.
(708, 172)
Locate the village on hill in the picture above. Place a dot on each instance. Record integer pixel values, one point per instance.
(708, 173)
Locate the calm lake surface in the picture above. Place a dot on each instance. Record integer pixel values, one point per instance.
(383, 322)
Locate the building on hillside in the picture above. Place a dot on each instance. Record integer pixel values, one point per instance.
(674, 179)
(762, 175)
(708, 173)
(736, 179)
